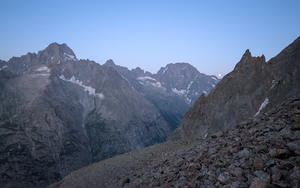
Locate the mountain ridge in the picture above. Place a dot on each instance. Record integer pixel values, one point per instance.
(59, 113)
(245, 133)
(241, 93)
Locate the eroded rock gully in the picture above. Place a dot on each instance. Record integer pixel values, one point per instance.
(261, 152)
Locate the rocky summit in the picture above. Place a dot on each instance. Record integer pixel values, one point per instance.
(59, 113)
(261, 152)
(254, 86)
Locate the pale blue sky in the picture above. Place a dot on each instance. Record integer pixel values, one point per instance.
(210, 35)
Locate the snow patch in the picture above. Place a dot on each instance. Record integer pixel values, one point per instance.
(4, 67)
(179, 92)
(188, 100)
(266, 101)
(144, 78)
(205, 135)
(71, 57)
(214, 78)
(42, 71)
(182, 93)
(35, 75)
(184, 67)
(89, 89)
(147, 80)
(165, 70)
(274, 82)
(44, 68)
(156, 84)
(58, 62)
(213, 85)
(190, 84)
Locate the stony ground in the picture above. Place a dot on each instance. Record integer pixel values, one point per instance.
(262, 152)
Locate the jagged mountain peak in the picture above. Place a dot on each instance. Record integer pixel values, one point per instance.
(57, 50)
(247, 53)
(110, 63)
(53, 55)
(138, 72)
(176, 67)
(252, 88)
(249, 62)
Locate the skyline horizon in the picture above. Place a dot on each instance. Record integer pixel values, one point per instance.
(219, 75)
(212, 36)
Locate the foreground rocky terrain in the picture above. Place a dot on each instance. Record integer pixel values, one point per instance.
(263, 151)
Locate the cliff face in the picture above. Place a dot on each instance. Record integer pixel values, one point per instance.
(40, 131)
(172, 91)
(253, 87)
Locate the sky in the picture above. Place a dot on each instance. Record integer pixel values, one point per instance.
(210, 35)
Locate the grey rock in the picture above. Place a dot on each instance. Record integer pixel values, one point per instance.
(258, 183)
(252, 88)
(294, 146)
(224, 178)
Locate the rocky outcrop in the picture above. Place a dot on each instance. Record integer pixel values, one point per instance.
(253, 87)
(262, 152)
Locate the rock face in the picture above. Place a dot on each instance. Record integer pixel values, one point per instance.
(169, 105)
(181, 78)
(173, 90)
(59, 114)
(254, 86)
(262, 152)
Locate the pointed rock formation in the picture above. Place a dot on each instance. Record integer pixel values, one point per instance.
(253, 87)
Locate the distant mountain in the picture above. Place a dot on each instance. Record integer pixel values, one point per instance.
(180, 78)
(186, 81)
(171, 91)
(253, 87)
(58, 114)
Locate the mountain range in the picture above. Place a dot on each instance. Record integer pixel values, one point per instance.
(59, 113)
(244, 133)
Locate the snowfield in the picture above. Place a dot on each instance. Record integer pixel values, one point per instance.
(89, 89)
